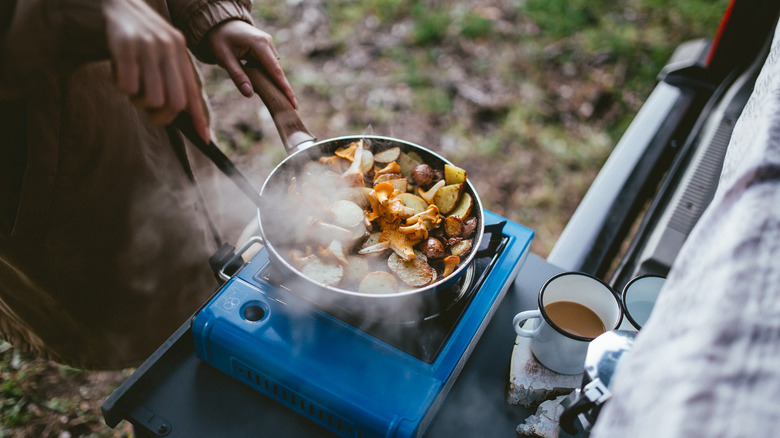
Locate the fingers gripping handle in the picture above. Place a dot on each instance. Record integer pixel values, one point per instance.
(521, 318)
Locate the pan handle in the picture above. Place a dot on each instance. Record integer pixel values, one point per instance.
(291, 129)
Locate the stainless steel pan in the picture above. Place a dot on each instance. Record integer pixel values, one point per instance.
(302, 148)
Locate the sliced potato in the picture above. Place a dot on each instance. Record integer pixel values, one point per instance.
(357, 266)
(461, 248)
(414, 156)
(447, 197)
(327, 272)
(347, 214)
(387, 155)
(464, 206)
(325, 182)
(324, 233)
(414, 202)
(454, 174)
(416, 272)
(379, 283)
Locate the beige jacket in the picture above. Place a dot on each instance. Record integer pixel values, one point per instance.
(104, 243)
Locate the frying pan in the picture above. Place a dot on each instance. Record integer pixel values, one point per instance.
(303, 148)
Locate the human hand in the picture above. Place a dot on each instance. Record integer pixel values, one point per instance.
(232, 40)
(152, 64)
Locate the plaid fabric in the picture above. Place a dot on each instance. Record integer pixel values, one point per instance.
(707, 364)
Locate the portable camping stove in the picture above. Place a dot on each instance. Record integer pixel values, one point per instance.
(387, 379)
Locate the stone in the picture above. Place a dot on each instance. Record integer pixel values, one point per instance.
(530, 382)
(544, 423)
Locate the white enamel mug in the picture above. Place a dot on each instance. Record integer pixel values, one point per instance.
(639, 298)
(554, 347)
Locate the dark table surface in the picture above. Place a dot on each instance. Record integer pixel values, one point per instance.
(176, 395)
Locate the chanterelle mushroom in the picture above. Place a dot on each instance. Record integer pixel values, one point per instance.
(391, 168)
(416, 232)
(336, 163)
(431, 215)
(348, 152)
(385, 204)
(450, 263)
(401, 243)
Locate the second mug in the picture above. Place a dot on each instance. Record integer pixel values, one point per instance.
(574, 308)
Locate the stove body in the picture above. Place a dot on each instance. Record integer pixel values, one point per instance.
(383, 379)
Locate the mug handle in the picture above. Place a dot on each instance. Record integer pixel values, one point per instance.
(522, 317)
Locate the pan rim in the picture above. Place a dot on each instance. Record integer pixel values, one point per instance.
(434, 286)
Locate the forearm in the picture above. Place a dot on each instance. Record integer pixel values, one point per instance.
(195, 18)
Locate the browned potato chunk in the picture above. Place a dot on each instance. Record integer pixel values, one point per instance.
(453, 226)
(447, 197)
(469, 226)
(432, 248)
(454, 174)
(400, 184)
(464, 206)
(423, 175)
(461, 248)
(416, 272)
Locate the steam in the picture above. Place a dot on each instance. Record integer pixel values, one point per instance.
(294, 215)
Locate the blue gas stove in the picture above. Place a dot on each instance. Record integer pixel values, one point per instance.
(387, 379)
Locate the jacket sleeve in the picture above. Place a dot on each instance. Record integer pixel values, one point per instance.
(195, 18)
(48, 36)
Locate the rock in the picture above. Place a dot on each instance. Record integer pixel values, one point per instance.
(544, 423)
(530, 383)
